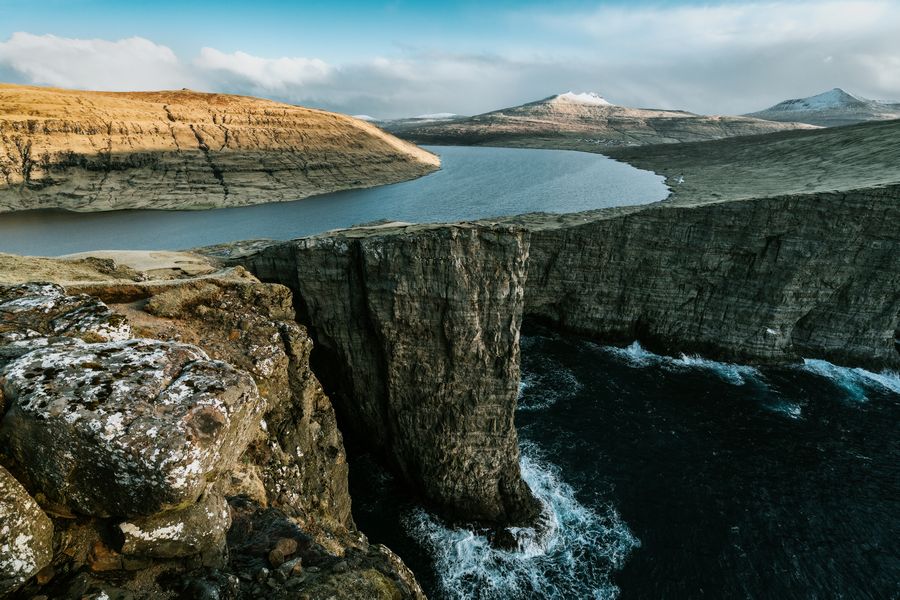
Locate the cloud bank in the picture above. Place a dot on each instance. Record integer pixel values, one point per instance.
(726, 58)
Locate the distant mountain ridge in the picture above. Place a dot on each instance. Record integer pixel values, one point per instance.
(830, 109)
(582, 118)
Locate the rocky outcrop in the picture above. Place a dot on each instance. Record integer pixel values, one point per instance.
(199, 529)
(91, 151)
(765, 280)
(299, 465)
(418, 335)
(26, 535)
(97, 431)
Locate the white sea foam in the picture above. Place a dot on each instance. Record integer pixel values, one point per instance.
(636, 356)
(789, 409)
(854, 381)
(555, 382)
(570, 556)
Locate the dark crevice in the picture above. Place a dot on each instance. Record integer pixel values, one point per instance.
(216, 171)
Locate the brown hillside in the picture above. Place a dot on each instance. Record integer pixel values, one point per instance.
(91, 151)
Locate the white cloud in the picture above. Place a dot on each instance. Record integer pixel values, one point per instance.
(733, 58)
(129, 64)
(688, 28)
(263, 73)
(724, 58)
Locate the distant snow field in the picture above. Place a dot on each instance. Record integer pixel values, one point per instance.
(589, 98)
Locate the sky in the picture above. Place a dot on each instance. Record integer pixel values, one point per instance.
(405, 58)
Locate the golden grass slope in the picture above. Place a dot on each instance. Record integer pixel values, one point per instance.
(91, 151)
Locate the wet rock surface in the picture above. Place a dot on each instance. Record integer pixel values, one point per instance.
(26, 535)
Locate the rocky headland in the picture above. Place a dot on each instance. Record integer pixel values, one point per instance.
(398, 309)
(92, 151)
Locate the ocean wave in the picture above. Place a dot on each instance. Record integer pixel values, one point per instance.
(788, 409)
(853, 380)
(636, 356)
(571, 555)
(551, 381)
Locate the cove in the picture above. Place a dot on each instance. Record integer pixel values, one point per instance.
(473, 183)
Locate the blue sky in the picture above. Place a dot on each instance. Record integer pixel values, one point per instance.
(405, 58)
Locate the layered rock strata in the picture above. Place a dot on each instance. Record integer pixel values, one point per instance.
(765, 280)
(418, 335)
(91, 151)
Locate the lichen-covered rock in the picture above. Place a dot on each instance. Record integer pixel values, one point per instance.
(298, 463)
(125, 428)
(196, 530)
(26, 535)
(32, 312)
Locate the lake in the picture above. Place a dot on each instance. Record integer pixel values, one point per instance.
(473, 183)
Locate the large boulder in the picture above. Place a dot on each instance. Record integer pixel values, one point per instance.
(196, 530)
(127, 428)
(26, 535)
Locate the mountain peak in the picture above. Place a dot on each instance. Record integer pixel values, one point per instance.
(586, 98)
(831, 108)
(832, 99)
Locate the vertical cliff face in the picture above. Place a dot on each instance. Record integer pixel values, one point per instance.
(419, 334)
(766, 280)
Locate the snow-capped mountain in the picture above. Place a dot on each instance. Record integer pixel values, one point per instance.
(586, 98)
(579, 119)
(832, 108)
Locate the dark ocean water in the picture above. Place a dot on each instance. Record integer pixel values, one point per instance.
(677, 478)
(473, 183)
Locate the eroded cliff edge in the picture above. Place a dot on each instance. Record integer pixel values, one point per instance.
(93, 151)
(420, 323)
(762, 280)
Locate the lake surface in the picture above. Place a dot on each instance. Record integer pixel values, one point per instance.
(677, 478)
(473, 183)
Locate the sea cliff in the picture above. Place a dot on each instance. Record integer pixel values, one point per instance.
(418, 325)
